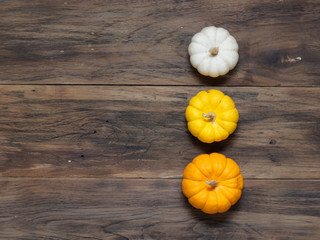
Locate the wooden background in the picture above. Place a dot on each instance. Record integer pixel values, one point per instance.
(93, 139)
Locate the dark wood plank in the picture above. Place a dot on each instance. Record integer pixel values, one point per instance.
(153, 209)
(110, 131)
(107, 42)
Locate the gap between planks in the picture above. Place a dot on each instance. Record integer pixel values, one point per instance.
(147, 179)
(165, 85)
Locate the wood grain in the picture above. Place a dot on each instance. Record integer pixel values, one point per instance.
(153, 209)
(107, 42)
(141, 132)
(93, 138)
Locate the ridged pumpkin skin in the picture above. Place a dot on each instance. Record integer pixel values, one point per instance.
(211, 116)
(212, 183)
(213, 51)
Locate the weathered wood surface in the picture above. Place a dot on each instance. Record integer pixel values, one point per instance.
(141, 132)
(153, 209)
(145, 42)
(93, 139)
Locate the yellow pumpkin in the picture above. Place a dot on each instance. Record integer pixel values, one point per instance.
(211, 116)
(212, 183)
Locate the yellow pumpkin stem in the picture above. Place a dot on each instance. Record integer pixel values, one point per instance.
(211, 116)
(214, 51)
(212, 183)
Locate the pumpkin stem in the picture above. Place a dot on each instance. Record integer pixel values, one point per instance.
(210, 115)
(214, 51)
(212, 183)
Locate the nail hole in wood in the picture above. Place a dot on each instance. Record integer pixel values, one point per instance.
(272, 141)
(82, 155)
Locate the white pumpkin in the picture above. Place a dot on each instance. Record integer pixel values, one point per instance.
(213, 51)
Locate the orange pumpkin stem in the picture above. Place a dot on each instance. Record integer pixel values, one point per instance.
(214, 51)
(212, 183)
(211, 116)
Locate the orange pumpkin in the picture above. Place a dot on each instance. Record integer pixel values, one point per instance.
(212, 183)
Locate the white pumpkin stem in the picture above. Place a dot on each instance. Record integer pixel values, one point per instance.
(214, 51)
(212, 183)
(211, 116)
